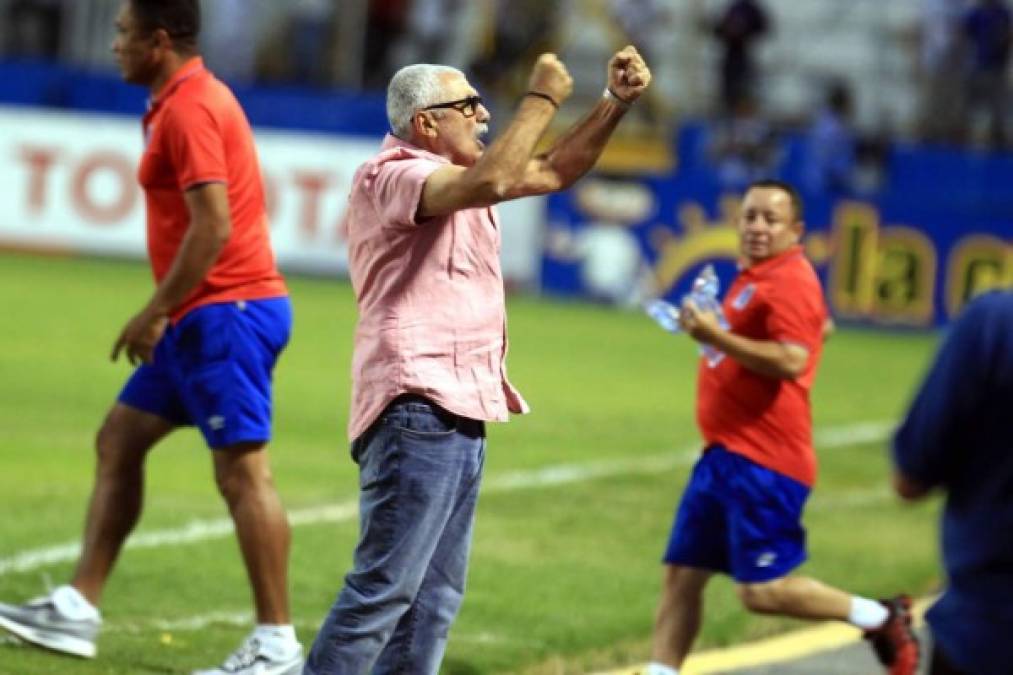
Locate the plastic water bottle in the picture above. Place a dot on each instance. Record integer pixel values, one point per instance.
(705, 288)
(665, 314)
(704, 295)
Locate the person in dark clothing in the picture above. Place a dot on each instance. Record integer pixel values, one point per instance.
(957, 436)
(988, 28)
(738, 29)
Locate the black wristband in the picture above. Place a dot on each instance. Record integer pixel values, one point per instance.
(545, 96)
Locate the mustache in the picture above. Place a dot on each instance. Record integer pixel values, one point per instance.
(481, 130)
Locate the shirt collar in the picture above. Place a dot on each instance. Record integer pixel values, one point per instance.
(391, 142)
(190, 67)
(764, 267)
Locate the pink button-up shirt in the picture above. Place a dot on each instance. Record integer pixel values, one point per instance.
(432, 319)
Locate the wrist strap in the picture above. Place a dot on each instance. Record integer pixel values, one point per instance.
(548, 98)
(610, 95)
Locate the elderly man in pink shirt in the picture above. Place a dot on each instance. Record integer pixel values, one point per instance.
(429, 364)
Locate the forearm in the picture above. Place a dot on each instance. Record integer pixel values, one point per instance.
(575, 152)
(197, 254)
(763, 357)
(503, 163)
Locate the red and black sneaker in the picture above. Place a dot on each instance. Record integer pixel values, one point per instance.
(895, 643)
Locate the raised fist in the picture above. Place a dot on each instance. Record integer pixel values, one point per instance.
(549, 76)
(628, 75)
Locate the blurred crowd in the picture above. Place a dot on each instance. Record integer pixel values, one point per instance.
(963, 82)
(961, 49)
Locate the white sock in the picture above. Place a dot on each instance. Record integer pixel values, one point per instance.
(655, 668)
(268, 632)
(867, 614)
(69, 601)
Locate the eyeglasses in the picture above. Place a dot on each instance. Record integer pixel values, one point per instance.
(466, 106)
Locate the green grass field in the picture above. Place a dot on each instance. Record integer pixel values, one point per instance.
(565, 569)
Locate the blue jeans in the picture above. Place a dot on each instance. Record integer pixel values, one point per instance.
(419, 473)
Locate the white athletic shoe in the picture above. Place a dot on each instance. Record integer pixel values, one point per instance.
(261, 658)
(42, 622)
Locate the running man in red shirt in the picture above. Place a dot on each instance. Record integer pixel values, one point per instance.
(205, 343)
(741, 513)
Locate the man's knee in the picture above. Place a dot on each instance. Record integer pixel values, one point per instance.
(684, 583)
(242, 471)
(761, 598)
(117, 452)
(125, 437)
(442, 603)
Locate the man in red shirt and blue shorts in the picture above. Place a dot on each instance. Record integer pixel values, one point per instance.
(205, 343)
(741, 513)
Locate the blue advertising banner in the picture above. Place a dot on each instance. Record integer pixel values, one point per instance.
(939, 231)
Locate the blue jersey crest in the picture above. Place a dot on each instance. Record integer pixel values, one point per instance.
(744, 296)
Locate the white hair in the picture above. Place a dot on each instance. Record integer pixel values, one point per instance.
(411, 89)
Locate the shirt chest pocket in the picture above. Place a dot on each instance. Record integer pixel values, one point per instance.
(475, 245)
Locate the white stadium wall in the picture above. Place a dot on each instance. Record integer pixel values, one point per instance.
(69, 184)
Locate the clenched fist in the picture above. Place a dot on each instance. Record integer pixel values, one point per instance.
(550, 77)
(628, 75)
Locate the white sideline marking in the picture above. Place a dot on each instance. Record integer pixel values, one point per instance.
(849, 499)
(202, 530)
(860, 432)
(244, 619)
(190, 623)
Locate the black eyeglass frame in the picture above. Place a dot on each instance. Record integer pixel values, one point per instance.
(461, 105)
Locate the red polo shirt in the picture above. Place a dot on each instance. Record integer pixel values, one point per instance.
(195, 132)
(765, 419)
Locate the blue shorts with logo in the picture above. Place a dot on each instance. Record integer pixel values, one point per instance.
(213, 370)
(739, 518)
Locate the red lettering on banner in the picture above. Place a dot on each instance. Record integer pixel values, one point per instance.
(270, 196)
(312, 185)
(39, 161)
(108, 210)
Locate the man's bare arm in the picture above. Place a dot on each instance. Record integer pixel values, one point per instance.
(493, 176)
(210, 227)
(576, 151)
(507, 169)
(491, 180)
(780, 360)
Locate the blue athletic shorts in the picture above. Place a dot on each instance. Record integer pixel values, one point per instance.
(739, 518)
(213, 370)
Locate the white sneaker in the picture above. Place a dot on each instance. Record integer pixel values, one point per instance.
(45, 622)
(255, 657)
